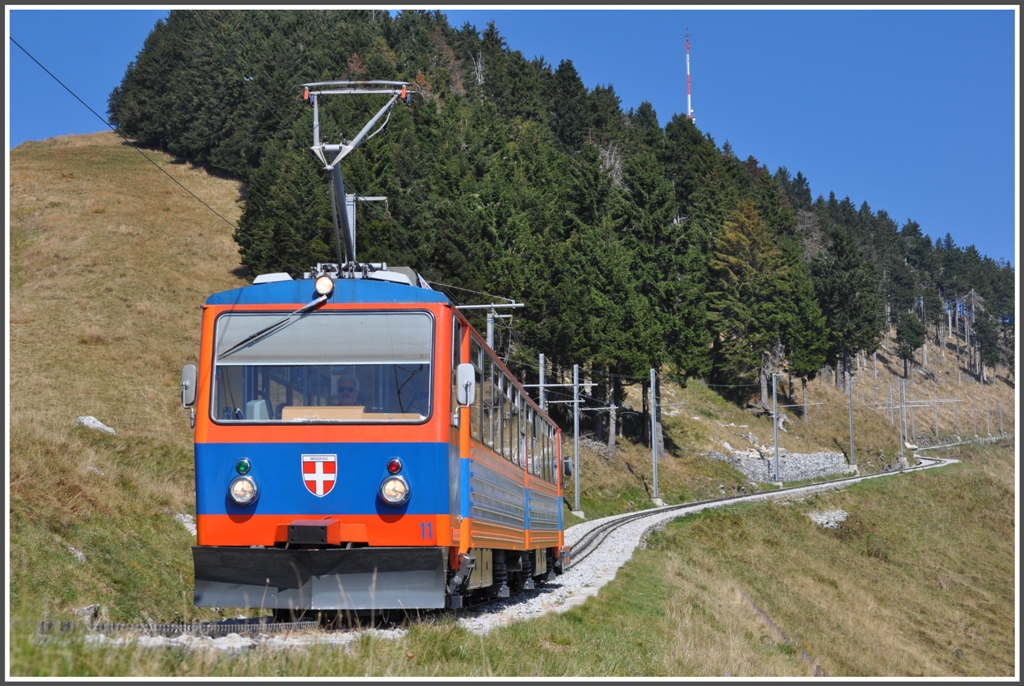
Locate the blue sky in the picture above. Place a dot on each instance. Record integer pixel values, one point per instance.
(913, 111)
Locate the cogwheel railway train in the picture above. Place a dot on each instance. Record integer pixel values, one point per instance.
(359, 447)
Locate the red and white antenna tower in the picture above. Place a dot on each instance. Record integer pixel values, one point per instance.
(689, 107)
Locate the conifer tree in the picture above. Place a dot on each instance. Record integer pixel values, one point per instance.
(749, 289)
(569, 112)
(848, 296)
(909, 337)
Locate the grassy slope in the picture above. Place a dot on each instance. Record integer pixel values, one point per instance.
(112, 259)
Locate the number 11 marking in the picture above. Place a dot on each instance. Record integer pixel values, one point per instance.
(427, 531)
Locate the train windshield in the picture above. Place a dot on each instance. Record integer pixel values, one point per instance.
(352, 367)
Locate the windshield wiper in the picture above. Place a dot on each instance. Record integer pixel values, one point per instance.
(270, 329)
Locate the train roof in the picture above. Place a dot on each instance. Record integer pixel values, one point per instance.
(301, 291)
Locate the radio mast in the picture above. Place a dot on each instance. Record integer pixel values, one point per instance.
(689, 107)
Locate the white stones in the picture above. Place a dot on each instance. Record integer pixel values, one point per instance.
(830, 519)
(93, 423)
(79, 555)
(187, 521)
(89, 613)
(92, 469)
(759, 464)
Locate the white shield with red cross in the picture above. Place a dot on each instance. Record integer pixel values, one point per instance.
(319, 472)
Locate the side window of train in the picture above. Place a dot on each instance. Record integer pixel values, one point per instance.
(544, 449)
(513, 430)
(540, 428)
(531, 446)
(553, 465)
(487, 416)
(509, 434)
(501, 414)
(476, 357)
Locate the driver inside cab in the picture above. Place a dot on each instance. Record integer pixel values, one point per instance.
(348, 391)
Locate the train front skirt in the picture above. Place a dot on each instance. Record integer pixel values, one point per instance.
(331, 579)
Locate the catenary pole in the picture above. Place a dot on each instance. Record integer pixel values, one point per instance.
(654, 436)
(543, 399)
(775, 424)
(576, 433)
(849, 390)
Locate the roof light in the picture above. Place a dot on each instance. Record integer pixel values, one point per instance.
(324, 285)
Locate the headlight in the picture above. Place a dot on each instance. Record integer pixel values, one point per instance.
(324, 285)
(394, 490)
(243, 490)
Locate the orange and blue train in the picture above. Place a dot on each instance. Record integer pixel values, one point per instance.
(360, 448)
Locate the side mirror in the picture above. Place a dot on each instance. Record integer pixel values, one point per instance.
(188, 385)
(567, 467)
(465, 384)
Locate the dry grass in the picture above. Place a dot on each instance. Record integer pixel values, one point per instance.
(105, 288)
(105, 292)
(919, 580)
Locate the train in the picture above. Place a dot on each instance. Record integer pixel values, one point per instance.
(359, 448)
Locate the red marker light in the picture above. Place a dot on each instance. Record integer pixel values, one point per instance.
(305, 94)
(394, 465)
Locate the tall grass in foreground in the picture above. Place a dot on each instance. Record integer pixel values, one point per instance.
(919, 581)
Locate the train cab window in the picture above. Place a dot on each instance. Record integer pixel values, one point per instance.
(323, 367)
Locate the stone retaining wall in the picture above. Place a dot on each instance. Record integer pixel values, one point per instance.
(759, 466)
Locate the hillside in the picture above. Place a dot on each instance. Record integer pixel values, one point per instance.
(110, 261)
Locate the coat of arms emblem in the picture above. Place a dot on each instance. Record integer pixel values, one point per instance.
(319, 472)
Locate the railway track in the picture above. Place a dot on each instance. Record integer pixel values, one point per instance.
(589, 542)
